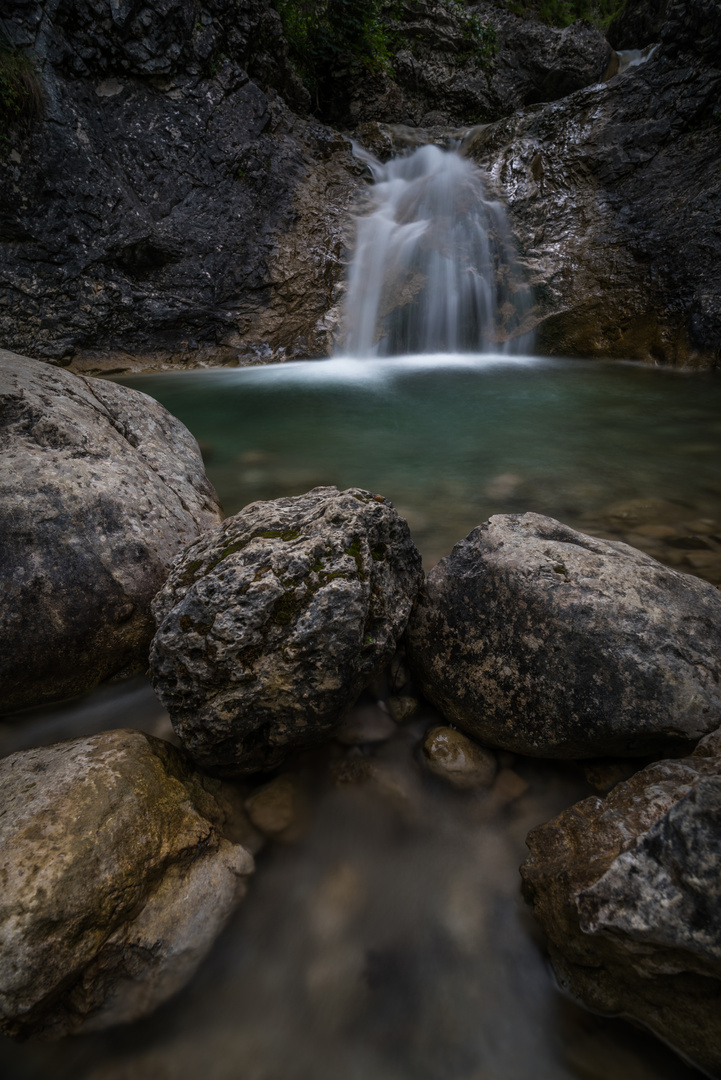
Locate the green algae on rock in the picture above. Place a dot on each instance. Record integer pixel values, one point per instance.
(118, 873)
(271, 625)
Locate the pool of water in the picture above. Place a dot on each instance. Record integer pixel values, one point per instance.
(619, 450)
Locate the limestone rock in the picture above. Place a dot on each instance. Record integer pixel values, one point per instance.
(279, 808)
(100, 488)
(117, 878)
(168, 204)
(270, 626)
(612, 193)
(627, 889)
(459, 761)
(539, 639)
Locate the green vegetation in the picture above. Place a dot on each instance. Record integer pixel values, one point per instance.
(565, 12)
(330, 40)
(21, 95)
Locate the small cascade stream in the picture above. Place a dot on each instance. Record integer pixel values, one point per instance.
(435, 269)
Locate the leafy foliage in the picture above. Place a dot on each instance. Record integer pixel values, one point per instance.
(21, 98)
(565, 12)
(330, 39)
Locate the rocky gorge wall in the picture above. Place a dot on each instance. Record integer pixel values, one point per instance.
(177, 202)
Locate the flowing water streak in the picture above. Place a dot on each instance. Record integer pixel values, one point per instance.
(435, 268)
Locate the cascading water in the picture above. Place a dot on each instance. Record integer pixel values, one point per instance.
(435, 269)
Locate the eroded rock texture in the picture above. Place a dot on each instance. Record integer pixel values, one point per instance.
(270, 626)
(542, 640)
(627, 889)
(169, 204)
(100, 488)
(613, 193)
(118, 874)
(438, 79)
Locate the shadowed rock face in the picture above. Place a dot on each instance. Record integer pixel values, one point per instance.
(270, 626)
(101, 922)
(613, 195)
(100, 487)
(627, 891)
(437, 80)
(169, 205)
(542, 640)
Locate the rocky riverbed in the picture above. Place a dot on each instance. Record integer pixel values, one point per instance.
(385, 730)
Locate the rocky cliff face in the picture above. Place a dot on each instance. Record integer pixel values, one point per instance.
(613, 193)
(169, 202)
(177, 204)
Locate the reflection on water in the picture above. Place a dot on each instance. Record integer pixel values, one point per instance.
(389, 943)
(620, 450)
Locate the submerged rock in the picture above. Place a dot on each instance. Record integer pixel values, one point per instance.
(270, 626)
(628, 891)
(118, 875)
(459, 761)
(100, 489)
(539, 639)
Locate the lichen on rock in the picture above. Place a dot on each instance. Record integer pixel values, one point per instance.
(270, 626)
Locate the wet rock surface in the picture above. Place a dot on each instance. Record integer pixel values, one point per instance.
(100, 489)
(612, 193)
(627, 890)
(169, 204)
(102, 922)
(269, 627)
(459, 761)
(542, 640)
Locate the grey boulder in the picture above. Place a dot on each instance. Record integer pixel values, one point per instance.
(119, 868)
(542, 640)
(271, 625)
(100, 488)
(628, 891)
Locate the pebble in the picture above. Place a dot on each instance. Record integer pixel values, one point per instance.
(279, 808)
(456, 759)
(402, 707)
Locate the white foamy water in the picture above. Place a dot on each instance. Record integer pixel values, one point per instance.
(435, 269)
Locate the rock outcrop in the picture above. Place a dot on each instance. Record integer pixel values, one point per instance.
(627, 889)
(100, 488)
(439, 78)
(102, 921)
(270, 626)
(613, 193)
(539, 639)
(169, 204)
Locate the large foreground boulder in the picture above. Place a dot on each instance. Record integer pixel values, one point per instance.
(117, 875)
(100, 488)
(270, 626)
(542, 640)
(628, 891)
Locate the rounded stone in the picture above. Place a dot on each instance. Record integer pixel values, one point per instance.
(101, 488)
(535, 638)
(459, 761)
(118, 873)
(270, 626)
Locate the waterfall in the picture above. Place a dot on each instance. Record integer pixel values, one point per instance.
(435, 269)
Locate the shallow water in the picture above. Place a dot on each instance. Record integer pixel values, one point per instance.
(391, 942)
(610, 448)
